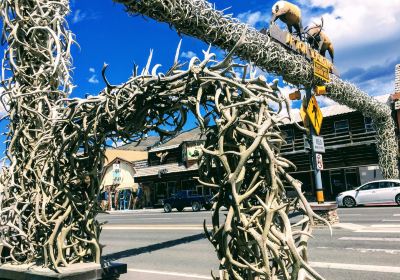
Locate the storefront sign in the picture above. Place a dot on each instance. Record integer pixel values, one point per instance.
(116, 166)
(193, 152)
(318, 144)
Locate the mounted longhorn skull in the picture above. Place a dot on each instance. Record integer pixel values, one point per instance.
(162, 156)
(289, 14)
(319, 40)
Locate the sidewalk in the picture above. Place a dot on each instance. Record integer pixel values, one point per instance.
(145, 210)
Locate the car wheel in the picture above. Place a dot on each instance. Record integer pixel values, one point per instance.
(348, 202)
(180, 209)
(397, 199)
(167, 208)
(196, 206)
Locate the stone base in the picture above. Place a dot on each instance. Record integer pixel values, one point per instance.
(78, 271)
(328, 211)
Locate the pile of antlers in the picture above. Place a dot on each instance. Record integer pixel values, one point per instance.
(56, 152)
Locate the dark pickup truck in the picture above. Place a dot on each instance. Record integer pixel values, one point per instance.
(187, 198)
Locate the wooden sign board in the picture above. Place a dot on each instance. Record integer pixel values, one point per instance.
(321, 71)
(295, 44)
(315, 114)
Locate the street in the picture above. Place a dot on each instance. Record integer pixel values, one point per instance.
(155, 245)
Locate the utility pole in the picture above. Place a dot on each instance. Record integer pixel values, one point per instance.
(316, 171)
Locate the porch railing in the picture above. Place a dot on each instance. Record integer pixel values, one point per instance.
(335, 140)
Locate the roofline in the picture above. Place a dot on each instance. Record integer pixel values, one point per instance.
(121, 159)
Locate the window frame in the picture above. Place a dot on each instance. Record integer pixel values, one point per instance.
(368, 124)
(341, 130)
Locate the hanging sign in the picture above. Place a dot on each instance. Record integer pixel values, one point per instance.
(321, 71)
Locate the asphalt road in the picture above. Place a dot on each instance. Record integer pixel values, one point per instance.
(365, 245)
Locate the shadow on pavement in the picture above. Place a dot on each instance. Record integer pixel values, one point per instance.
(153, 247)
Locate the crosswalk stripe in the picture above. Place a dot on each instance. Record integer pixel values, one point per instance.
(176, 274)
(154, 227)
(386, 226)
(361, 267)
(367, 250)
(388, 239)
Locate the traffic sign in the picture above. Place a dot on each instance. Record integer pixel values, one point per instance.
(318, 144)
(315, 114)
(319, 163)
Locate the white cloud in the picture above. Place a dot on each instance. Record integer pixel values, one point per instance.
(188, 54)
(253, 18)
(359, 22)
(78, 16)
(3, 101)
(325, 102)
(93, 79)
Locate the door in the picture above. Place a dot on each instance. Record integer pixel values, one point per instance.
(180, 199)
(388, 191)
(367, 193)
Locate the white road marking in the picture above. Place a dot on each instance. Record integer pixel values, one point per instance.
(349, 226)
(386, 226)
(388, 239)
(391, 221)
(153, 227)
(377, 230)
(136, 218)
(349, 215)
(381, 228)
(367, 250)
(177, 274)
(396, 215)
(361, 267)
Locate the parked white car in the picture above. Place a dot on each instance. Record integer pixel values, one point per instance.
(382, 191)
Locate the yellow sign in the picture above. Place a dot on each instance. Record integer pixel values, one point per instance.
(303, 113)
(315, 114)
(321, 71)
(320, 90)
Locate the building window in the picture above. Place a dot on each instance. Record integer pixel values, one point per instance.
(368, 124)
(341, 126)
(288, 135)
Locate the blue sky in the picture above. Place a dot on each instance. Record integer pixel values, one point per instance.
(366, 35)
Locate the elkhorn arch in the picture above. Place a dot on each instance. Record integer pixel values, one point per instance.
(199, 19)
(48, 194)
